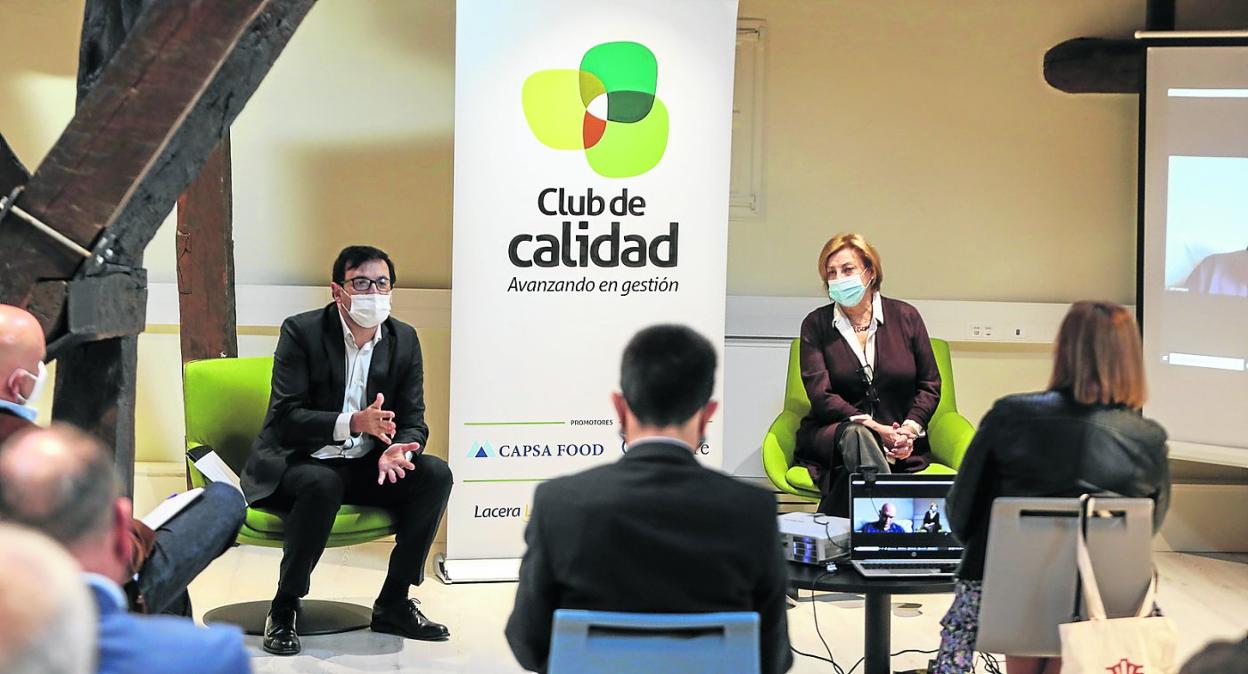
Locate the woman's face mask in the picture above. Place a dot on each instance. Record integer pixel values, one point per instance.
(847, 291)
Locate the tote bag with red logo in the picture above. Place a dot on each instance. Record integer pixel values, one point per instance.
(1101, 645)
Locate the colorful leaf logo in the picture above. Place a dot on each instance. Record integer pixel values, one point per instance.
(607, 108)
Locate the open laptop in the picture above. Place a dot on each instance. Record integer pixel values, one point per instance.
(898, 526)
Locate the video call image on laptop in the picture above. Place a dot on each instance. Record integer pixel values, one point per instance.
(901, 518)
(899, 515)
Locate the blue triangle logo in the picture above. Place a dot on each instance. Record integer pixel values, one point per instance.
(481, 453)
(481, 450)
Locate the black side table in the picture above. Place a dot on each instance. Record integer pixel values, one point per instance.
(878, 593)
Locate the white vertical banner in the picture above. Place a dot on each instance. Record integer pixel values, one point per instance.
(592, 146)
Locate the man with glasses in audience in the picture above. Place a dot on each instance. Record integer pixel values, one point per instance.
(346, 425)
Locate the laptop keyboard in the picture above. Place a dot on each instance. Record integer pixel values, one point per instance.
(908, 565)
(924, 567)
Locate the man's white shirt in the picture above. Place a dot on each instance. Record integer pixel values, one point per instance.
(358, 361)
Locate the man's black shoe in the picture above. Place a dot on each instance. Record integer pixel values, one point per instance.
(407, 621)
(279, 632)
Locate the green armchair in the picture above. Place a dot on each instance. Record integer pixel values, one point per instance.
(225, 401)
(948, 432)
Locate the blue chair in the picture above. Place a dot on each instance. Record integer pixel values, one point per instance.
(587, 642)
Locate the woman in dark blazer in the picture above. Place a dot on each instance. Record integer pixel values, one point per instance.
(869, 372)
(931, 520)
(1084, 435)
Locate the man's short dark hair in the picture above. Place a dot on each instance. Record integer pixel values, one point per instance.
(72, 506)
(354, 256)
(667, 374)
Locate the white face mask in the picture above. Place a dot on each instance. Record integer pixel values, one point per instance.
(41, 379)
(369, 311)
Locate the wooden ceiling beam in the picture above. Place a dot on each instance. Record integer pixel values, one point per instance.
(105, 25)
(139, 138)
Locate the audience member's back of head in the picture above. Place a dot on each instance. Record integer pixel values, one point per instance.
(47, 617)
(1098, 359)
(59, 481)
(667, 374)
(1219, 657)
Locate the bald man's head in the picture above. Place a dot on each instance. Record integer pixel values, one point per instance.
(21, 351)
(59, 481)
(47, 612)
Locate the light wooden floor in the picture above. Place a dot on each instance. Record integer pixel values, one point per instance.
(1207, 596)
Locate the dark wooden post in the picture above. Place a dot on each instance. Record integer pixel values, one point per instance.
(205, 248)
(96, 380)
(107, 368)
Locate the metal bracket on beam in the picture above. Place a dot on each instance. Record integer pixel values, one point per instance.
(103, 257)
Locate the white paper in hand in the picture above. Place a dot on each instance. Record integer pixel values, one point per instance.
(217, 470)
(169, 508)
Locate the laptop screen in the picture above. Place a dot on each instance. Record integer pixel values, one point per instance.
(901, 517)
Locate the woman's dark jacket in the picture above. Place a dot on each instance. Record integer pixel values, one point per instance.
(907, 379)
(1046, 445)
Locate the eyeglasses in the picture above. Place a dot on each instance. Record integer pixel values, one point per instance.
(866, 377)
(361, 284)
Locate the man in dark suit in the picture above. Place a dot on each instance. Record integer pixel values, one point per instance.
(346, 424)
(654, 532)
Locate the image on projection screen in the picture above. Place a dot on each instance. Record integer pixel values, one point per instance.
(1207, 226)
(1195, 245)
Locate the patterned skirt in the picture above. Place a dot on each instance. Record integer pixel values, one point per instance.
(959, 629)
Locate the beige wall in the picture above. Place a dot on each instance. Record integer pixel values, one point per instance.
(347, 140)
(928, 127)
(40, 39)
(925, 125)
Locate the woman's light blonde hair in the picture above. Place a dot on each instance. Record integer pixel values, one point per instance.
(870, 258)
(1099, 359)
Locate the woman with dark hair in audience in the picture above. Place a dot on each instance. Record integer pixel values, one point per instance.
(869, 372)
(1084, 435)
